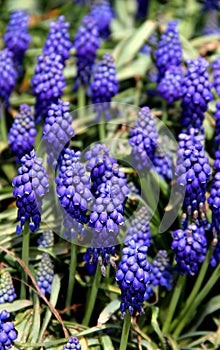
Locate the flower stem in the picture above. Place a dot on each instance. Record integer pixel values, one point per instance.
(4, 131)
(173, 303)
(72, 270)
(195, 290)
(197, 301)
(81, 101)
(125, 332)
(25, 258)
(102, 135)
(92, 296)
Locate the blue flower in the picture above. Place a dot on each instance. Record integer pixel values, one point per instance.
(30, 186)
(8, 333)
(170, 86)
(8, 75)
(73, 344)
(161, 271)
(102, 13)
(216, 75)
(7, 291)
(99, 256)
(46, 239)
(45, 273)
(139, 231)
(21, 136)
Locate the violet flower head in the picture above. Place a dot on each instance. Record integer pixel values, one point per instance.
(133, 278)
(86, 43)
(170, 86)
(46, 239)
(142, 8)
(143, 139)
(47, 83)
(30, 186)
(196, 92)
(73, 344)
(58, 130)
(139, 231)
(161, 272)
(102, 13)
(102, 257)
(17, 37)
(58, 40)
(8, 75)
(193, 171)
(214, 197)
(210, 5)
(216, 75)
(190, 247)
(7, 291)
(104, 86)
(73, 186)
(169, 51)
(21, 136)
(45, 273)
(8, 333)
(217, 128)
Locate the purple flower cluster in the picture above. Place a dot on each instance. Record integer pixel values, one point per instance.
(45, 273)
(73, 185)
(73, 344)
(143, 139)
(8, 333)
(169, 51)
(99, 256)
(8, 75)
(48, 83)
(7, 291)
(193, 172)
(214, 197)
(46, 239)
(30, 186)
(210, 5)
(102, 13)
(21, 136)
(133, 278)
(104, 86)
(161, 271)
(57, 130)
(196, 91)
(139, 231)
(74, 231)
(170, 86)
(216, 75)
(163, 164)
(17, 37)
(142, 9)
(58, 40)
(86, 43)
(190, 247)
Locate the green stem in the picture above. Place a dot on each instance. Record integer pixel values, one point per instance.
(81, 101)
(164, 109)
(197, 301)
(25, 258)
(195, 290)
(92, 296)
(125, 332)
(173, 303)
(4, 130)
(102, 135)
(72, 270)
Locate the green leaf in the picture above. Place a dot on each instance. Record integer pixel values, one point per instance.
(212, 305)
(106, 343)
(155, 325)
(55, 288)
(36, 321)
(108, 311)
(133, 44)
(15, 305)
(23, 325)
(136, 68)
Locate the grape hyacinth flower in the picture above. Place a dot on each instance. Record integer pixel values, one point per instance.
(7, 291)
(58, 40)
(30, 186)
(48, 83)
(163, 159)
(142, 9)
(104, 86)
(216, 75)
(196, 92)
(73, 344)
(217, 129)
(170, 86)
(57, 130)
(190, 247)
(93, 155)
(46, 239)
(73, 186)
(17, 37)
(21, 136)
(169, 51)
(133, 277)
(139, 231)
(8, 75)
(193, 172)
(143, 139)
(74, 231)
(214, 198)
(102, 13)
(161, 271)
(211, 26)
(45, 273)
(210, 5)
(86, 43)
(215, 258)
(99, 256)
(8, 333)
